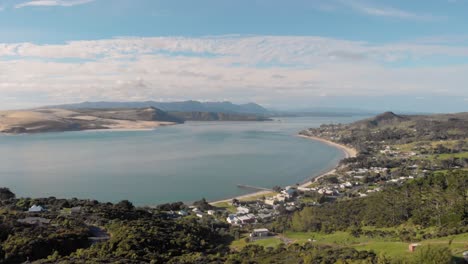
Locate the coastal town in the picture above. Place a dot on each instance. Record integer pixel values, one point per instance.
(376, 165)
(281, 216)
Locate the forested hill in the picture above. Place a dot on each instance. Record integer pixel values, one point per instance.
(420, 209)
(437, 126)
(212, 116)
(184, 106)
(439, 200)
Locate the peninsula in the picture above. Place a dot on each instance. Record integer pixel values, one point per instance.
(58, 120)
(76, 119)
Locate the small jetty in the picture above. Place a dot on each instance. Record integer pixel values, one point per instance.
(255, 188)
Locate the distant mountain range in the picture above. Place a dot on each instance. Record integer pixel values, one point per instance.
(195, 110)
(184, 106)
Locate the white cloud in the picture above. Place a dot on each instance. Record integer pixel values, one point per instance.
(366, 8)
(392, 12)
(64, 3)
(266, 69)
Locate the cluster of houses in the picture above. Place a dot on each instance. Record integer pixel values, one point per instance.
(252, 212)
(395, 152)
(286, 195)
(365, 171)
(35, 209)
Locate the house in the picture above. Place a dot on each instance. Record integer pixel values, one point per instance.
(304, 189)
(199, 215)
(196, 210)
(270, 201)
(247, 219)
(261, 232)
(243, 210)
(289, 193)
(265, 216)
(36, 209)
(75, 210)
(233, 220)
(211, 212)
(182, 213)
(280, 198)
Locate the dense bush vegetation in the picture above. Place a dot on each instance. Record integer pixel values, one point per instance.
(144, 235)
(439, 200)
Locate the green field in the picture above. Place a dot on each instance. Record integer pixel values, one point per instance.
(259, 196)
(433, 144)
(455, 155)
(268, 242)
(391, 247)
(226, 206)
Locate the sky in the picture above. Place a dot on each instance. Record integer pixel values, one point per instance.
(398, 55)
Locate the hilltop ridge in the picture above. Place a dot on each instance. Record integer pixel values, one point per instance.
(182, 106)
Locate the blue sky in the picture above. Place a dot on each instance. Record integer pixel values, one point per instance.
(283, 54)
(345, 19)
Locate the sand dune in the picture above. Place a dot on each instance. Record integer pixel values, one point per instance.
(56, 120)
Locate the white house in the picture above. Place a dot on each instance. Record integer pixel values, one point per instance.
(36, 209)
(211, 212)
(280, 198)
(182, 213)
(233, 220)
(270, 201)
(243, 210)
(261, 232)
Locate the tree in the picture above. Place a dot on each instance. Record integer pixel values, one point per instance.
(433, 255)
(6, 194)
(277, 189)
(203, 205)
(125, 205)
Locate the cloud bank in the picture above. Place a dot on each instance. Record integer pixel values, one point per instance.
(265, 69)
(64, 3)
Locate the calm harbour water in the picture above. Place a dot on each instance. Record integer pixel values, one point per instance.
(177, 163)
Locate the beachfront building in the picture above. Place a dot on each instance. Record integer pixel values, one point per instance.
(270, 201)
(305, 189)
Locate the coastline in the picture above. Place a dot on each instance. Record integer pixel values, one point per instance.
(348, 151)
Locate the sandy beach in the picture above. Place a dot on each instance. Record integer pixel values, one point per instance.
(55, 120)
(348, 151)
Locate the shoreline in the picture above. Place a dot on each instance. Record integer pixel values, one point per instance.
(148, 126)
(348, 152)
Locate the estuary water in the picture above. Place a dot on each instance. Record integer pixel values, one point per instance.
(176, 163)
